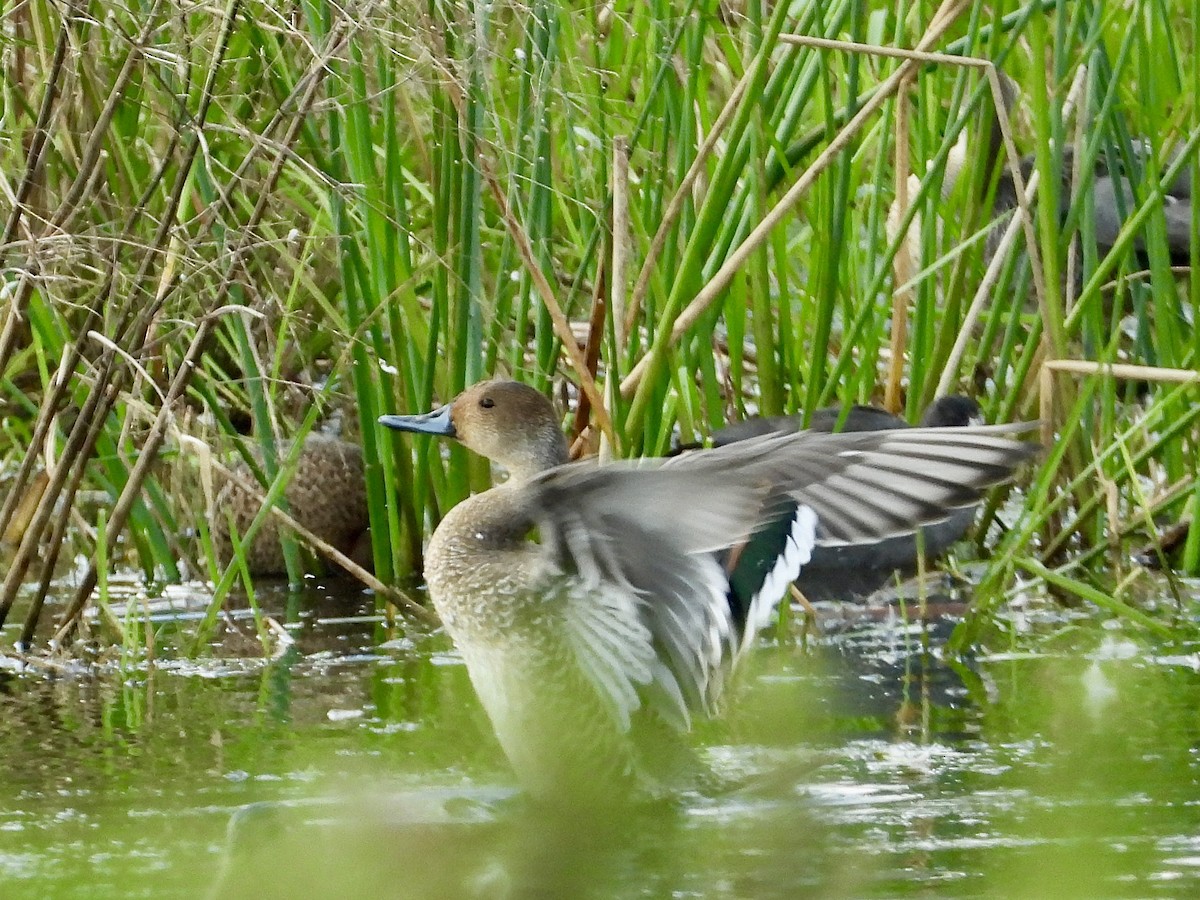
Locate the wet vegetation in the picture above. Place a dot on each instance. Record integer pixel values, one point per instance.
(257, 220)
(229, 227)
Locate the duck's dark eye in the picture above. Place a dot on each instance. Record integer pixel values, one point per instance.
(487, 402)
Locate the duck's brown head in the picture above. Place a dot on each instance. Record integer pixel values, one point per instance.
(507, 422)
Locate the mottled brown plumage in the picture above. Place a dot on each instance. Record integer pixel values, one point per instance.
(326, 494)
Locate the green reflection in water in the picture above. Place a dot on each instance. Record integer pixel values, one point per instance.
(359, 764)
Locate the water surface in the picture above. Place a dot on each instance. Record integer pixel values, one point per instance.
(357, 763)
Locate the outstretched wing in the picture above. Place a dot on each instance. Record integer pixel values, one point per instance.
(651, 535)
(654, 545)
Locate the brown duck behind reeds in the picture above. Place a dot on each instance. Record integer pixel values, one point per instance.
(327, 495)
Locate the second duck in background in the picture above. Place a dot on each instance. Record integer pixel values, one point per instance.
(853, 571)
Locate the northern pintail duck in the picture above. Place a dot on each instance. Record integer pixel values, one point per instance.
(847, 571)
(327, 495)
(584, 598)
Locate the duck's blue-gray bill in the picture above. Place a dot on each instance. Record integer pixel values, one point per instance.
(437, 422)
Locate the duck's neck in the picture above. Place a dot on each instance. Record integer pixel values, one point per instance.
(544, 455)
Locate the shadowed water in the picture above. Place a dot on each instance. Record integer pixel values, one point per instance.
(358, 764)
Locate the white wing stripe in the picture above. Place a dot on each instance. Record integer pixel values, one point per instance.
(797, 552)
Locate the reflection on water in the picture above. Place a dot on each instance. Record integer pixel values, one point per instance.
(357, 763)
